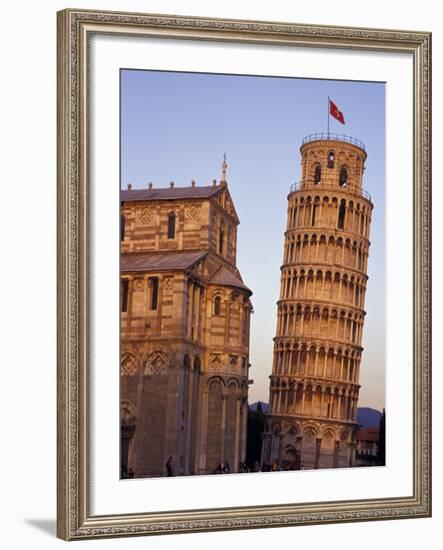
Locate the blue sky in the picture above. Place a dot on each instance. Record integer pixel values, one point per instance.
(176, 127)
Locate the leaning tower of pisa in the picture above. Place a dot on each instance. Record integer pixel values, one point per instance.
(314, 384)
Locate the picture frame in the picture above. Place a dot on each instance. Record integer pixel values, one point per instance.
(75, 518)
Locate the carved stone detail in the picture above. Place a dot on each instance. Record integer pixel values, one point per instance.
(156, 363)
(128, 367)
(146, 216)
(139, 284)
(192, 212)
(127, 413)
(168, 283)
(216, 361)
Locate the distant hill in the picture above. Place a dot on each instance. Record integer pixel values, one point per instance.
(264, 406)
(368, 418)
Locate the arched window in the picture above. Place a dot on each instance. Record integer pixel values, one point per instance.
(331, 159)
(244, 328)
(317, 174)
(315, 210)
(217, 305)
(153, 288)
(122, 227)
(171, 225)
(127, 427)
(124, 294)
(197, 365)
(354, 331)
(343, 177)
(341, 214)
(221, 239)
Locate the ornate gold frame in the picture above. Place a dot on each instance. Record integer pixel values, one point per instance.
(74, 29)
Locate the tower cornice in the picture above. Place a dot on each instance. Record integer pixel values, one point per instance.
(316, 266)
(300, 188)
(331, 138)
(320, 304)
(326, 231)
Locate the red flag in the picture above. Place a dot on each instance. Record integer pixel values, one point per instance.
(335, 112)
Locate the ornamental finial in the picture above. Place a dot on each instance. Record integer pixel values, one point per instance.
(224, 168)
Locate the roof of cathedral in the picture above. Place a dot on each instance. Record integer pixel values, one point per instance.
(171, 193)
(370, 434)
(226, 278)
(160, 261)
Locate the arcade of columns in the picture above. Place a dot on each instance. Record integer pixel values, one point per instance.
(314, 384)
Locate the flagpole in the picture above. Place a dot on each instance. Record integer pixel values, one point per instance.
(328, 114)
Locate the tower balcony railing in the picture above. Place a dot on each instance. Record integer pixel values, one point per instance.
(326, 136)
(297, 186)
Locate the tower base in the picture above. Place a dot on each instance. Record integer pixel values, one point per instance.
(295, 443)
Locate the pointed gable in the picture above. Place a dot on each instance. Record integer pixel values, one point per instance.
(224, 201)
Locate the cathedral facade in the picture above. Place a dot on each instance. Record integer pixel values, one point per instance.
(314, 384)
(185, 317)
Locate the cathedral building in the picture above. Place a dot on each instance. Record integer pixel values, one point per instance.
(185, 316)
(314, 384)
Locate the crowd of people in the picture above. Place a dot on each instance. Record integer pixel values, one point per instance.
(127, 474)
(243, 467)
(274, 467)
(222, 468)
(246, 468)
